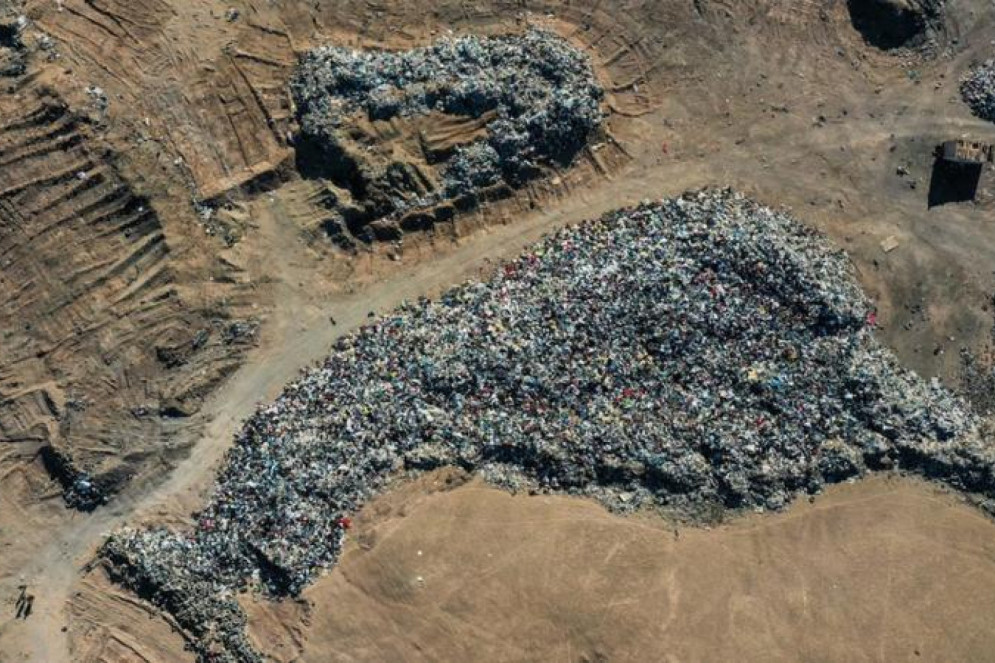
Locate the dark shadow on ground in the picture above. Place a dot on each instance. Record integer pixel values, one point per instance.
(887, 24)
(953, 182)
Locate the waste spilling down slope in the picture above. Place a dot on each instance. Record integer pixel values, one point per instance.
(690, 353)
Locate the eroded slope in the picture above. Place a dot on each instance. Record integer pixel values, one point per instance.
(103, 345)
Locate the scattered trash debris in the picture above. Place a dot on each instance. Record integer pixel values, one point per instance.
(241, 331)
(889, 244)
(99, 98)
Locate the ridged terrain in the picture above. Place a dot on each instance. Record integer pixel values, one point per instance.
(99, 349)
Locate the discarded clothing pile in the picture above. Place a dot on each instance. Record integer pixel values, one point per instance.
(541, 93)
(697, 351)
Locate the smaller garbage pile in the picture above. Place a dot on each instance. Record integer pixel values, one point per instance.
(534, 95)
(695, 352)
(80, 490)
(978, 90)
(13, 52)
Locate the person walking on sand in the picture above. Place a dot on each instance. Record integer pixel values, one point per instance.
(29, 602)
(21, 599)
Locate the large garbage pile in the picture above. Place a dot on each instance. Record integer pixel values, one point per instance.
(537, 96)
(693, 352)
(978, 90)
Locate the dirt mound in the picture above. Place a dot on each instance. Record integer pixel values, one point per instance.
(893, 24)
(881, 570)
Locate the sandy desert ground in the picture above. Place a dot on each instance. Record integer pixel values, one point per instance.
(781, 99)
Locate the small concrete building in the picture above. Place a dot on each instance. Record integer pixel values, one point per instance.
(968, 152)
(963, 172)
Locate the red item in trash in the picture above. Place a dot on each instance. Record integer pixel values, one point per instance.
(345, 522)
